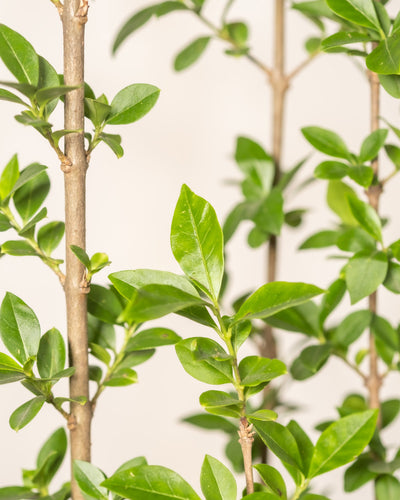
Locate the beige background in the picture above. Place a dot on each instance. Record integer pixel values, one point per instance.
(188, 137)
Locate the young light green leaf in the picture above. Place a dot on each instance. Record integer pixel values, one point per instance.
(89, 479)
(26, 412)
(17, 248)
(51, 354)
(122, 378)
(50, 236)
(331, 299)
(359, 12)
(337, 198)
(364, 273)
(367, 217)
(326, 141)
(153, 337)
(10, 370)
(362, 174)
(342, 441)
(372, 144)
(263, 415)
(221, 403)
(274, 297)
(9, 177)
(132, 103)
(204, 360)
(255, 370)
(197, 241)
(190, 54)
(19, 56)
(150, 482)
(217, 482)
(331, 170)
(272, 479)
(19, 328)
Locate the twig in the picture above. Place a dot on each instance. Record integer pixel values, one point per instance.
(298, 69)
(246, 439)
(59, 6)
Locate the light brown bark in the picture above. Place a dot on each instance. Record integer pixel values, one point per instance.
(74, 18)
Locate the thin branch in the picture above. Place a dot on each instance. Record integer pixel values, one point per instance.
(246, 439)
(298, 69)
(59, 6)
(226, 10)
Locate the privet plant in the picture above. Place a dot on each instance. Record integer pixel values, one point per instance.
(135, 297)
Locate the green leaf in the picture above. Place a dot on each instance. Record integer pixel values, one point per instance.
(372, 145)
(153, 337)
(10, 370)
(205, 360)
(150, 482)
(4, 223)
(331, 299)
(217, 482)
(391, 83)
(359, 12)
(132, 103)
(27, 174)
(81, 255)
(100, 353)
(170, 6)
(17, 248)
(355, 239)
(89, 479)
(392, 280)
(45, 95)
(358, 473)
(104, 304)
(136, 358)
(343, 38)
(304, 444)
(342, 441)
(337, 198)
(364, 273)
(96, 111)
(263, 415)
(134, 23)
(197, 241)
(51, 354)
(261, 496)
(50, 236)
(211, 422)
(9, 177)
(387, 488)
(17, 493)
(384, 331)
(270, 217)
(273, 479)
(351, 328)
(385, 59)
(362, 174)
(389, 411)
(130, 464)
(240, 333)
(50, 457)
(302, 318)
(19, 328)
(310, 361)
(280, 441)
(113, 141)
(122, 378)
(274, 297)
(98, 261)
(26, 412)
(221, 403)
(331, 170)
(321, 239)
(238, 32)
(155, 301)
(29, 197)
(255, 370)
(19, 56)
(29, 227)
(190, 54)
(393, 153)
(326, 141)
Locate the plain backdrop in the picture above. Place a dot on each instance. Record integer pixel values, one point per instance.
(189, 137)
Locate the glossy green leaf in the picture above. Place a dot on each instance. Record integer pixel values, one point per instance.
(96, 111)
(331, 299)
(263, 415)
(4, 223)
(130, 464)
(122, 377)
(387, 488)
(280, 441)
(385, 59)
(217, 482)
(350, 329)
(29, 227)
(19, 56)
(50, 457)
(100, 353)
(9, 177)
(391, 83)
(304, 444)
(221, 403)
(255, 370)
(50, 236)
(273, 479)
(302, 318)
(240, 333)
(19, 328)
(204, 360)
(337, 198)
(132, 24)
(45, 95)
(190, 54)
(132, 103)
(393, 153)
(358, 473)
(326, 141)
(321, 239)
(331, 170)
(364, 273)
(89, 479)
(197, 241)
(51, 354)
(17, 248)
(362, 174)
(211, 422)
(153, 337)
(372, 145)
(10, 370)
(355, 239)
(26, 412)
(359, 12)
(136, 358)
(367, 217)
(274, 297)
(5, 95)
(343, 38)
(270, 217)
(392, 280)
(29, 197)
(113, 141)
(342, 441)
(27, 174)
(384, 331)
(150, 482)
(81, 255)
(98, 261)
(310, 361)
(104, 304)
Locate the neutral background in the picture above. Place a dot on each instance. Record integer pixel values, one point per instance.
(188, 137)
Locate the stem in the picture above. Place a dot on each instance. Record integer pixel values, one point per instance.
(374, 192)
(75, 231)
(226, 10)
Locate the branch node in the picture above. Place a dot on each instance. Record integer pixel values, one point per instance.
(72, 423)
(81, 15)
(85, 286)
(66, 165)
